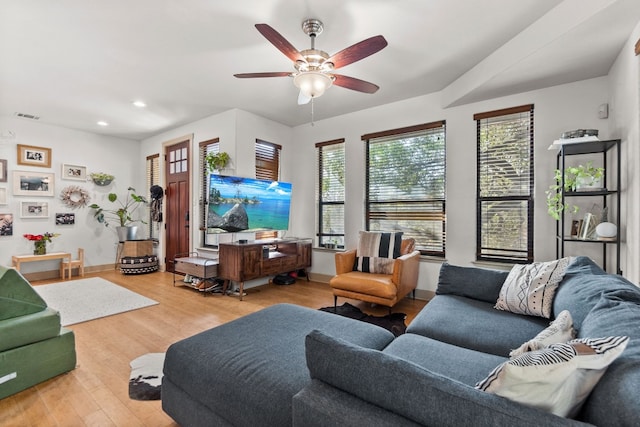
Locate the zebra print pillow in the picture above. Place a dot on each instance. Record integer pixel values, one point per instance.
(558, 378)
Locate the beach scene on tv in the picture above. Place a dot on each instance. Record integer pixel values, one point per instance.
(245, 204)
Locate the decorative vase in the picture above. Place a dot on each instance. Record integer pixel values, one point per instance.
(40, 247)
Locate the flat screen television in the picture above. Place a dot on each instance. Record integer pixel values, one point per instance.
(238, 204)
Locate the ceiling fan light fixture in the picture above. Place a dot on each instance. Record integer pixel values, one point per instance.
(312, 83)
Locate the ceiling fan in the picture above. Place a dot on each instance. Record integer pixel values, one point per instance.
(314, 68)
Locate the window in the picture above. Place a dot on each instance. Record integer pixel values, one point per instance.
(330, 192)
(405, 184)
(153, 178)
(505, 185)
(267, 167)
(205, 147)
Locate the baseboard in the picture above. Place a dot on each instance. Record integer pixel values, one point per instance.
(55, 274)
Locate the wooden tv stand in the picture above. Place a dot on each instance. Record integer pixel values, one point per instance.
(240, 262)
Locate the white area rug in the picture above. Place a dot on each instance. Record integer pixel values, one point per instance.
(88, 299)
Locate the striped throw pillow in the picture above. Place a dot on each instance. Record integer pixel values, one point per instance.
(377, 251)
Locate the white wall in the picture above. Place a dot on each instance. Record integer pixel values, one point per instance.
(625, 117)
(237, 131)
(98, 153)
(557, 109)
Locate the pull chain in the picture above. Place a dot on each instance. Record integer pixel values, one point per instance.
(312, 124)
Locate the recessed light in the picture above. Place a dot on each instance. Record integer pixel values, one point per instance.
(102, 123)
(139, 104)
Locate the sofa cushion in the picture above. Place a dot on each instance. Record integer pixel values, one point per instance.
(560, 330)
(529, 289)
(377, 250)
(458, 363)
(239, 369)
(582, 286)
(475, 324)
(17, 296)
(614, 401)
(29, 329)
(558, 378)
(407, 389)
(478, 283)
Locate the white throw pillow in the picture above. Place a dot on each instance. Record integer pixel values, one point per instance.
(558, 378)
(560, 330)
(530, 288)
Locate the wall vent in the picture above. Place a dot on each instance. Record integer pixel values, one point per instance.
(27, 116)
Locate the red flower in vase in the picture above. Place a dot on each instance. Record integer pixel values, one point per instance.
(38, 237)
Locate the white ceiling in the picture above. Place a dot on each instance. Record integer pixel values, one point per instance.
(74, 62)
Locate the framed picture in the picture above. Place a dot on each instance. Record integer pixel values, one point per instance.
(3, 170)
(74, 172)
(6, 224)
(3, 196)
(32, 183)
(65, 218)
(34, 209)
(30, 155)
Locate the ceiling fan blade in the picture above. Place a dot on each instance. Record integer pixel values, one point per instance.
(358, 51)
(254, 75)
(303, 99)
(354, 84)
(280, 42)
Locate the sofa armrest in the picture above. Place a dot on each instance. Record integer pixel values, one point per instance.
(418, 394)
(345, 261)
(405, 273)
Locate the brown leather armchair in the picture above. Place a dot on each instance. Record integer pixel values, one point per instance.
(383, 289)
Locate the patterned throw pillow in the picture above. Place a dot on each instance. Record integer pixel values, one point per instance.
(560, 330)
(558, 378)
(377, 251)
(529, 289)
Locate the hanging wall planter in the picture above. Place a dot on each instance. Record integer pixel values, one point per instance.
(102, 179)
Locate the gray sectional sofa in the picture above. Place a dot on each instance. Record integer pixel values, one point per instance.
(288, 365)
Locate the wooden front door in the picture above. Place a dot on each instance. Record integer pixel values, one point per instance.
(177, 201)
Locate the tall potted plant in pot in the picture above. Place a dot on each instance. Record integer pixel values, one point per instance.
(122, 212)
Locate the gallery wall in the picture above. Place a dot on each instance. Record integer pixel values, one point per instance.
(96, 153)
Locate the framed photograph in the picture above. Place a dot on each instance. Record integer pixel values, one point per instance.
(6, 224)
(33, 183)
(65, 218)
(3, 196)
(74, 172)
(3, 170)
(34, 209)
(576, 225)
(30, 155)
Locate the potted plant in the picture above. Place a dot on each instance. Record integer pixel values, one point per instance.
(101, 178)
(217, 161)
(122, 212)
(580, 177)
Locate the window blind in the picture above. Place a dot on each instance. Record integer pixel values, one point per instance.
(505, 185)
(211, 146)
(406, 184)
(330, 193)
(267, 167)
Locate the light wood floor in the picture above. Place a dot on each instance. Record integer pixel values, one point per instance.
(96, 392)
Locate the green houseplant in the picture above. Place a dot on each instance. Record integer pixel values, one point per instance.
(217, 161)
(123, 210)
(575, 178)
